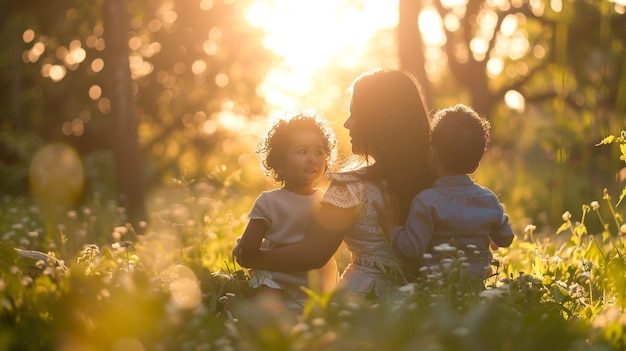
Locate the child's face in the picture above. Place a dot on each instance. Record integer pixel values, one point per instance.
(305, 161)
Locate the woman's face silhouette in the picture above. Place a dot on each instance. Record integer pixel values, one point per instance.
(352, 124)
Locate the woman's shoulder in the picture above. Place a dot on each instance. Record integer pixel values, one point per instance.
(351, 176)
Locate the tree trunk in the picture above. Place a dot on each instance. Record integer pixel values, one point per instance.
(410, 43)
(124, 138)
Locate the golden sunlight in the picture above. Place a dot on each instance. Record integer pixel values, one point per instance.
(311, 35)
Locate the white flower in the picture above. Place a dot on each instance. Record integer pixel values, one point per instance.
(530, 228)
(623, 228)
(566, 216)
(595, 205)
(409, 289)
(445, 247)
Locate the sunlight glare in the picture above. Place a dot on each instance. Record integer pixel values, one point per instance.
(431, 26)
(495, 66)
(515, 101)
(509, 25)
(556, 5)
(308, 34)
(311, 35)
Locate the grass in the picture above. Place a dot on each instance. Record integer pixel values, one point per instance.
(176, 287)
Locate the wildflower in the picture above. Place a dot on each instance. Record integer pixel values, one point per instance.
(408, 288)
(427, 256)
(299, 328)
(343, 314)
(566, 216)
(352, 305)
(561, 284)
(446, 261)
(595, 205)
(318, 322)
(622, 229)
(530, 228)
(445, 247)
(26, 281)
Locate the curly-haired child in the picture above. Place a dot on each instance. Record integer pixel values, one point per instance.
(297, 152)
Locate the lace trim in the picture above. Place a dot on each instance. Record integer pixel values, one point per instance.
(345, 190)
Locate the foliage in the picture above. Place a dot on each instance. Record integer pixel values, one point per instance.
(195, 67)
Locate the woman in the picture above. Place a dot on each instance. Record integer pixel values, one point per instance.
(389, 130)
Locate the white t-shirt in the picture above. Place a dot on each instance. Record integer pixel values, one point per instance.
(288, 216)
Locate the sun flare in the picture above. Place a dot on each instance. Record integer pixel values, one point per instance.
(311, 35)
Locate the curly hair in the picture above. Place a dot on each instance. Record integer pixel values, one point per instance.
(274, 146)
(460, 136)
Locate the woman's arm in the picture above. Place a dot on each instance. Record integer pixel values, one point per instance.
(318, 246)
(250, 242)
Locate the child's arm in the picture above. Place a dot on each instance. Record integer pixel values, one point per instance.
(411, 240)
(502, 235)
(318, 246)
(248, 245)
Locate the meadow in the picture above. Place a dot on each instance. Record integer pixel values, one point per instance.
(171, 284)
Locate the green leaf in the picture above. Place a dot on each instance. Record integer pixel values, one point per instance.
(562, 228)
(607, 140)
(580, 230)
(621, 196)
(559, 293)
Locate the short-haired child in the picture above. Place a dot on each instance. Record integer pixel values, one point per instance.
(455, 210)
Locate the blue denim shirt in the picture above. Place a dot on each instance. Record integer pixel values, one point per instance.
(454, 211)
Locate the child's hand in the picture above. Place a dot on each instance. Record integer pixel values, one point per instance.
(237, 251)
(387, 212)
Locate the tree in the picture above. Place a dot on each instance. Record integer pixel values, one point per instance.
(556, 66)
(167, 74)
(411, 45)
(129, 182)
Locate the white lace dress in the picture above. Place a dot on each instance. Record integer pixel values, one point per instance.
(374, 267)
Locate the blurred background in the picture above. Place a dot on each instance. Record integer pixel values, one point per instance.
(125, 99)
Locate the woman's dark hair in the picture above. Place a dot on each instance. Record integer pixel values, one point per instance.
(393, 122)
(273, 147)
